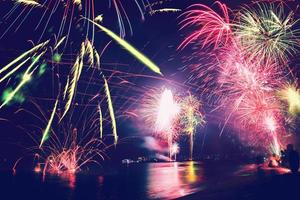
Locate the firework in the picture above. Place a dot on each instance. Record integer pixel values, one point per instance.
(100, 121)
(25, 79)
(162, 10)
(48, 127)
(71, 160)
(167, 111)
(129, 48)
(175, 150)
(291, 96)
(35, 48)
(249, 90)
(28, 2)
(160, 111)
(246, 66)
(267, 31)
(68, 149)
(211, 28)
(191, 118)
(87, 50)
(76, 70)
(111, 111)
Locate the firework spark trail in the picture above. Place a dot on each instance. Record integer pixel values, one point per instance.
(76, 70)
(213, 29)
(162, 10)
(48, 127)
(66, 88)
(35, 48)
(28, 2)
(191, 117)
(100, 121)
(111, 111)
(59, 43)
(25, 79)
(14, 70)
(51, 9)
(129, 48)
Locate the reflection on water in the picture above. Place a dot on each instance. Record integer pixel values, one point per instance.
(70, 179)
(137, 181)
(173, 180)
(142, 181)
(191, 172)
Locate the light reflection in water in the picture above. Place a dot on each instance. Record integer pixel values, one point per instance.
(191, 172)
(173, 180)
(71, 180)
(67, 179)
(168, 180)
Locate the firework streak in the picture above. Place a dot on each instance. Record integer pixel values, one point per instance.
(48, 127)
(129, 48)
(111, 111)
(100, 121)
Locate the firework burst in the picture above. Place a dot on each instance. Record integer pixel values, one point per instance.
(69, 149)
(211, 28)
(72, 156)
(160, 111)
(246, 67)
(266, 31)
(78, 20)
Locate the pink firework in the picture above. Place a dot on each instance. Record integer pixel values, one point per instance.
(211, 28)
(159, 111)
(259, 117)
(73, 156)
(248, 92)
(244, 86)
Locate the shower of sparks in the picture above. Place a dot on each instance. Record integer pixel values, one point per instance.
(247, 65)
(191, 117)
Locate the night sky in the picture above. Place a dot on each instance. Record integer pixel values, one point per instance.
(158, 37)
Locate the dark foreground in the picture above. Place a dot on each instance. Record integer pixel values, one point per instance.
(266, 184)
(188, 180)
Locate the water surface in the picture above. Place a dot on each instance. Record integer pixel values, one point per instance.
(134, 181)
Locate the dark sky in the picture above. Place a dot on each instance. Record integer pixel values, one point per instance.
(157, 37)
